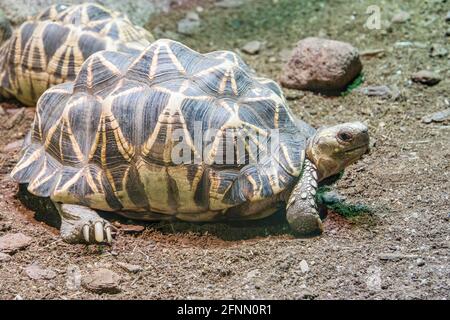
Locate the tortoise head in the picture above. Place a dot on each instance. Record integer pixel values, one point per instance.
(5, 28)
(334, 148)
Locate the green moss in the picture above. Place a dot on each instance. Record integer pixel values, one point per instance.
(359, 80)
(347, 210)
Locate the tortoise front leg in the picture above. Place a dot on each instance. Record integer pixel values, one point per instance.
(301, 208)
(81, 224)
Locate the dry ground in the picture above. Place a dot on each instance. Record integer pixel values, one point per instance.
(401, 250)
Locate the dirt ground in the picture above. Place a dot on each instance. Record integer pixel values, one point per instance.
(400, 250)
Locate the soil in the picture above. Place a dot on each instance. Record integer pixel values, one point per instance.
(400, 249)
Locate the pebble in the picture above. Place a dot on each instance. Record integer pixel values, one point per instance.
(102, 281)
(227, 4)
(426, 77)
(13, 242)
(371, 53)
(252, 47)
(13, 146)
(304, 266)
(447, 17)
(439, 116)
(132, 268)
(438, 51)
(129, 228)
(35, 272)
(401, 17)
(4, 257)
(395, 256)
(190, 24)
(420, 262)
(376, 91)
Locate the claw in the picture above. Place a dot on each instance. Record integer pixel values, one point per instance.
(98, 232)
(108, 234)
(86, 233)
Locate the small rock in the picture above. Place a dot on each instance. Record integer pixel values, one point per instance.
(190, 24)
(390, 257)
(395, 256)
(420, 262)
(13, 242)
(129, 228)
(102, 281)
(401, 17)
(447, 17)
(132, 268)
(371, 53)
(332, 197)
(2, 111)
(304, 266)
(35, 272)
(4, 257)
(376, 91)
(321, 65)
(439, 116)
(426, 77)
(447, 33)
(13, 146)
(293, 94)
(252, 47)
(227, 4)
(438, 51)
(18, 297)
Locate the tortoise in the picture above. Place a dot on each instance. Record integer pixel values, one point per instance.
(175, 134)
(50, 48)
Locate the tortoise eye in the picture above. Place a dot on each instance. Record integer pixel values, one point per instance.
(345, 136)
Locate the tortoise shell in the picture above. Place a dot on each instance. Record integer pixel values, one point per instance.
(50, 48)
(106, 140)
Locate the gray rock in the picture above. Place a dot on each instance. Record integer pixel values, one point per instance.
(13, 242)
(376, 91)
(321, 65)
(304, 266)
(252, 47)
(401, 17)
(4, 257)
(132, 268)
(440, 116)
(190, 24)
(13, 146)
(420, 262)
(395, 256)
(36, 272)
(447, 17)
(438, 51)
(426, 77)
(139, 11)
(447, 33)
(371, 53)
(227, 4)
(102, 281)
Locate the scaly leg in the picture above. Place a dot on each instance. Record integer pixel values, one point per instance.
(301, 209)
(81, 224)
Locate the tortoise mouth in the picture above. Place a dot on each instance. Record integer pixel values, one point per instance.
(359, 147)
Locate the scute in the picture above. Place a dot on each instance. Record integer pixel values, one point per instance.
(112, 134)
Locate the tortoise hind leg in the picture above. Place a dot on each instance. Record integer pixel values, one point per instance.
(81, 224)
(301, 209)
